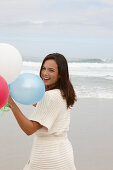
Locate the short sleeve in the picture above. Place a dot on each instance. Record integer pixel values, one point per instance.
(47, 109)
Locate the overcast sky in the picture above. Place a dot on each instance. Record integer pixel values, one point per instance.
(75, 28)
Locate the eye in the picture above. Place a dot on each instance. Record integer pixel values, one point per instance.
(43, 68)
(51, 70)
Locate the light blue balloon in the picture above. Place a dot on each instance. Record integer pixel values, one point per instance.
(27, 89)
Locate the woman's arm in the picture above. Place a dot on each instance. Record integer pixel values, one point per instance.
(28, 126)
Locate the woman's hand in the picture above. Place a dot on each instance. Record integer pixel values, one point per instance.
(28, 126)
(34, 105)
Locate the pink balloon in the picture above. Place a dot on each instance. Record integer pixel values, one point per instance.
(4, 92)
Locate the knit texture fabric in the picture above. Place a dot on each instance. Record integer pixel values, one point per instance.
(51, 149)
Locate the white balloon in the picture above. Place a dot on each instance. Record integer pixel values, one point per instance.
(10, 62)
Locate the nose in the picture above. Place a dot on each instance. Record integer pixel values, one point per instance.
(45, 72)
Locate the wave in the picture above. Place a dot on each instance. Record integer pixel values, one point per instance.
(89, 80)
(31, 64)
(78, 69)
(93, 60)
(72, 60)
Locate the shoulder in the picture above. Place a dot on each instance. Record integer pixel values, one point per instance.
(54, 94)
(52, 97)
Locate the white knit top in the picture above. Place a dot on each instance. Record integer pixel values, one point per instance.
(51, 148)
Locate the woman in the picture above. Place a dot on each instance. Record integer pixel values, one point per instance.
(50, 120)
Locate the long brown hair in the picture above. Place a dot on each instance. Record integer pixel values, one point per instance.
(64, 83)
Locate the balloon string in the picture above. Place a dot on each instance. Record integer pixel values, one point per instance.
(6, 108)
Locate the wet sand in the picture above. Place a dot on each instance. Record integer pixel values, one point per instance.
(91, 135)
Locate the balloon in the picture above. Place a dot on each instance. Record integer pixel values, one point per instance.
(4, 92)
(10, 62)
(27, 89)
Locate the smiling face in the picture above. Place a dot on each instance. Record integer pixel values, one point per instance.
(49, 73)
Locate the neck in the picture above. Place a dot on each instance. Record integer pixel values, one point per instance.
(50, 87)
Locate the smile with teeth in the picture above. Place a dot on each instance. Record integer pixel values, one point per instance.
(45, 78)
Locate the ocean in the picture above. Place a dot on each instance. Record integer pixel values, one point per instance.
(91, 78)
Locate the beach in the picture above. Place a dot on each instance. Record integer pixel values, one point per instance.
(90, 133)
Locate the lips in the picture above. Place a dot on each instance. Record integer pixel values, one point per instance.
(45, 78)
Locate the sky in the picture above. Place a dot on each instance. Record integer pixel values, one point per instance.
(74, 28)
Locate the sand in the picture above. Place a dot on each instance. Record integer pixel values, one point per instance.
(91, 135)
